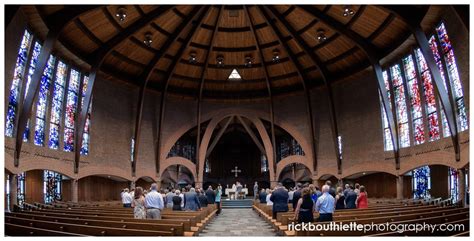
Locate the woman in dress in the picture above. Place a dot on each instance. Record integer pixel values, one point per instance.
(361, 200)
(304, 207)
(340, 204)
(138, 204)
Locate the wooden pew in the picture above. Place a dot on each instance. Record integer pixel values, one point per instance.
(85, 229)
(19, 230)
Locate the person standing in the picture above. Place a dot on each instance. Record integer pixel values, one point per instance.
(138, 204)
(202, 198)
(268, 200)
(255, 190)
(262, 196)
(169, 198)
(296, 195)
(238, 190)
(340, 204)
(210, 195)
(350, 198)
(218, 198)
(279, 198)
(154, 203)
(304, 207)
(346, 190)
(356, 190)
(325, 205)
(191, 200)
(362, 198)
(126, 199)
(177, 200)
(332, 191)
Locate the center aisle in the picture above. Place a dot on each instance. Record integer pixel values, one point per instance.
(238, 222)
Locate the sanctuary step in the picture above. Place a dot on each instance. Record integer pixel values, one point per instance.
(242, 203)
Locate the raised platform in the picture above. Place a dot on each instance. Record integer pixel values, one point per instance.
(240, 203)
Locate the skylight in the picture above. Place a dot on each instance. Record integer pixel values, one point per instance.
(234, 75)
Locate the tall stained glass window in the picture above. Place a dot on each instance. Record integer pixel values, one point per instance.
(400, 105)
(51, 186)
(132, 149)
(388, 144)
(207, 166)
(415, 100)
(421, 182)
(71, 107)
(439, 63)
(18, 74)
(86, 136)
(31, 71)
(453, 183)
(452, 69)
(57, 105)
(264, 163)
(339, 146)
(41, 106)
(20, 192)
(428, 90)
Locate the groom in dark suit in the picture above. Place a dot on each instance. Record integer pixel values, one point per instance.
(279, 198)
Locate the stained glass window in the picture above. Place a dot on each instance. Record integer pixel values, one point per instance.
(41, 106)
(7, 192)
(207, 166)
(132, 149)
(264, 163)
(86, 135)
(57, 105)
(20, 192)
(415, 100)
(421, 182)
(52, 186)
(453, 183)
(70, 113)
(439, 63)
(400, 105)
(455, 81)
(287, 146)
(339, 146)
(31, 71)
(388, 144)
(18, 74)
(430, 99)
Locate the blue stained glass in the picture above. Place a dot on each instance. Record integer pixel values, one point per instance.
(86, 136)
(42, 101)
(16, 83)
(31, 71)
(421, 182)
(453, 183)
(71, 108)
(52, 186)
(56, 107)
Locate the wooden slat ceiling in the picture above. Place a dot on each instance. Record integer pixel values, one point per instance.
(234, 40)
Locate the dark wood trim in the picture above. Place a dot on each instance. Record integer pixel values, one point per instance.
(342, 56)
(160, 29)
(356, 16)
(139, 10)
(382, 27)
(178, 13)
(288, 11)
(87, 32)
(307, 27)
(112, 20)
(126, 59)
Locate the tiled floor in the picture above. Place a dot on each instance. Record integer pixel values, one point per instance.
(238, 222)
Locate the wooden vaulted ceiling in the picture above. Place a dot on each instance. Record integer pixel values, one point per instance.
(234, 39)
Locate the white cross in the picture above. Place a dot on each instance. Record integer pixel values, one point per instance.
(236, 170)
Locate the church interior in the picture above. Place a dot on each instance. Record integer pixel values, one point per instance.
(99, 98)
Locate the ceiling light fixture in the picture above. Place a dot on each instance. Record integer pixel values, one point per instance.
(321, 36)
(348, 11)
(248, 60)
(192, 57)
(276, 56)
(148, 39)
(121, 13)
(220, 61)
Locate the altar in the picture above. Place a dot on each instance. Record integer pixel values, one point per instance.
(230, 193)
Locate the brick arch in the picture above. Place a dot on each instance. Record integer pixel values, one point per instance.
(50, 169)
(370, 167)
(218, 115)
(105, 170)
(427, 164)
(151, 177)
(293, 159)
(177, 160)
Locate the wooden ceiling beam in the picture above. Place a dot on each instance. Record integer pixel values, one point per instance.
(294, 59)
(269, 88)
(204, 12)
(56, 23)
(96, 59)
(201, 87)
(374, 55)
(325, 76)
(146, 75)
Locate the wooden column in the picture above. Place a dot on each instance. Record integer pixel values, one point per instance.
(13, 190)
(400, 187)
(75, 190)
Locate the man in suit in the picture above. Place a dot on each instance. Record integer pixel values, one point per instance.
(238, 190)
(350, 198)
(210, 195)
(191, 200)
(279, 198)
(255, 190)
(262, 196)
(296, 195)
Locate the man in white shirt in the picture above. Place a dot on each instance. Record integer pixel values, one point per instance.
(154, 203)
(126, 199)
